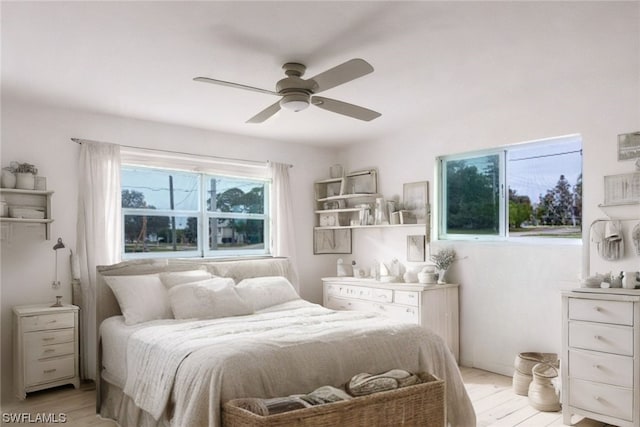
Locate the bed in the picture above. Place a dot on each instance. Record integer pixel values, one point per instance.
(268, 343)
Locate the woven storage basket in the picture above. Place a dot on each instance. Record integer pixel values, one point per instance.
(418, 405)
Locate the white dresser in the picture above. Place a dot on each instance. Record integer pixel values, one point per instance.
(432, 306)
(601, 355)
(45, 347)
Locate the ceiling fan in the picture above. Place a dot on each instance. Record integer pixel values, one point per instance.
(297, 93)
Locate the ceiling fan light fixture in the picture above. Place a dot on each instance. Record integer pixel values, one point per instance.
(295, 102)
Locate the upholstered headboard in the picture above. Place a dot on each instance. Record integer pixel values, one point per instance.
(237, 269)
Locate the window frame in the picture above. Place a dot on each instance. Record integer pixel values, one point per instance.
(203, 215)
(503, 235)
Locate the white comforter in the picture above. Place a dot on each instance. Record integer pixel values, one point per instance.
(293, 350)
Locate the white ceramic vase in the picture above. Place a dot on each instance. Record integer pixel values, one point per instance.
(8, 179)
(441, 273)
(25, 181)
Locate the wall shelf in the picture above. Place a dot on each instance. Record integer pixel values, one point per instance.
(28, 198)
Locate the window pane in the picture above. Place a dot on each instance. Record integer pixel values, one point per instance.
(473, 195)
(144, 233)
(545, 189)
(150, 189)
(235, 195)
(226, 233)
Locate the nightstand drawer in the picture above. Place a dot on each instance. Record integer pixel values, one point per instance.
(49, 370)
(36, 351)
(601, 337)
(33, 340)
(601, 367)
(603, 399)
(406, 297)
(602, 311)
(48, 321)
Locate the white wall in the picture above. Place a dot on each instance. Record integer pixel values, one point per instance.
(586, 81)
(41, 135)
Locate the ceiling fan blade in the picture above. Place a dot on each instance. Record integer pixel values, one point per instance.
(265, 114)
(342, 73)
(236, 85)
(345, 109)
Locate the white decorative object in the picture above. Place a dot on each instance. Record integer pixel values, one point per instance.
(25, 181)
(542, 393)
(340, 268)
(8, 179)
(443, 259)
(40, 183)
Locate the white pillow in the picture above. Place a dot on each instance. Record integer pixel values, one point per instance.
(175, 278)
(208, 299)
(263, 292)
(141, 297)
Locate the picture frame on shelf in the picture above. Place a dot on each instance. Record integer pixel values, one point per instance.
(629, 146)
(416, 200)
(416, 248)
(622, 189)
(332, 241)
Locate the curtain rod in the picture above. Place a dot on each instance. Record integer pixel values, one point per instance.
(229, 159)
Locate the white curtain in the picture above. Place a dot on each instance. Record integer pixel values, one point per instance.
(99, 233)
(283, 241)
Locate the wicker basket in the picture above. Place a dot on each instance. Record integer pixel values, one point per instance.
(525, 362)
(417, 405)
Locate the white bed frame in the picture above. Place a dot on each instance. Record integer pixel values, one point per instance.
(238, 269)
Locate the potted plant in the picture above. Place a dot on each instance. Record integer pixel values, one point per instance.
(25, 175)
(443, 260)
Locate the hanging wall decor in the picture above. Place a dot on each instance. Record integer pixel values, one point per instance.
(629, 146)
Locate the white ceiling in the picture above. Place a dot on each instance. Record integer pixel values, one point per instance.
(137, 59)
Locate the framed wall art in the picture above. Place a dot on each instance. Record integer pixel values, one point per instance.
(623, 189)
(415, 248)
(416, 199)
(332, 241)
(629, 146)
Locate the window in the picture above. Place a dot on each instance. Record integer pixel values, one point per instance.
(188, 214)
(543, 197)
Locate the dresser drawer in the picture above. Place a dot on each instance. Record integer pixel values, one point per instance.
(48, 370)
(382, 295)
(601, 337)
(337, 303)
(602, 311)
(406, 297)
(398, 312)
(601, 398)
(601, 367)
(48, 321)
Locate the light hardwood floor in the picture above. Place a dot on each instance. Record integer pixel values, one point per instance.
(495, 403)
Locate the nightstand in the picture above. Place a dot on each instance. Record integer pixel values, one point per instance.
(45, 347)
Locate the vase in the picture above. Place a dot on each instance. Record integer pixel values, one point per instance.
(441, 273)
(8, 179)
(25, 180)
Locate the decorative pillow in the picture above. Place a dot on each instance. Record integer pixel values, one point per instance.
(263, 292)
(175, 278)
(141, 297)
(208, 299)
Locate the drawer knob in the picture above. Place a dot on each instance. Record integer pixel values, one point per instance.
(49, 371)
(596, 366)
(49, 350)
(598, 337)
(48, 339)
(52, 321)
(596, 308)
(598, 398)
